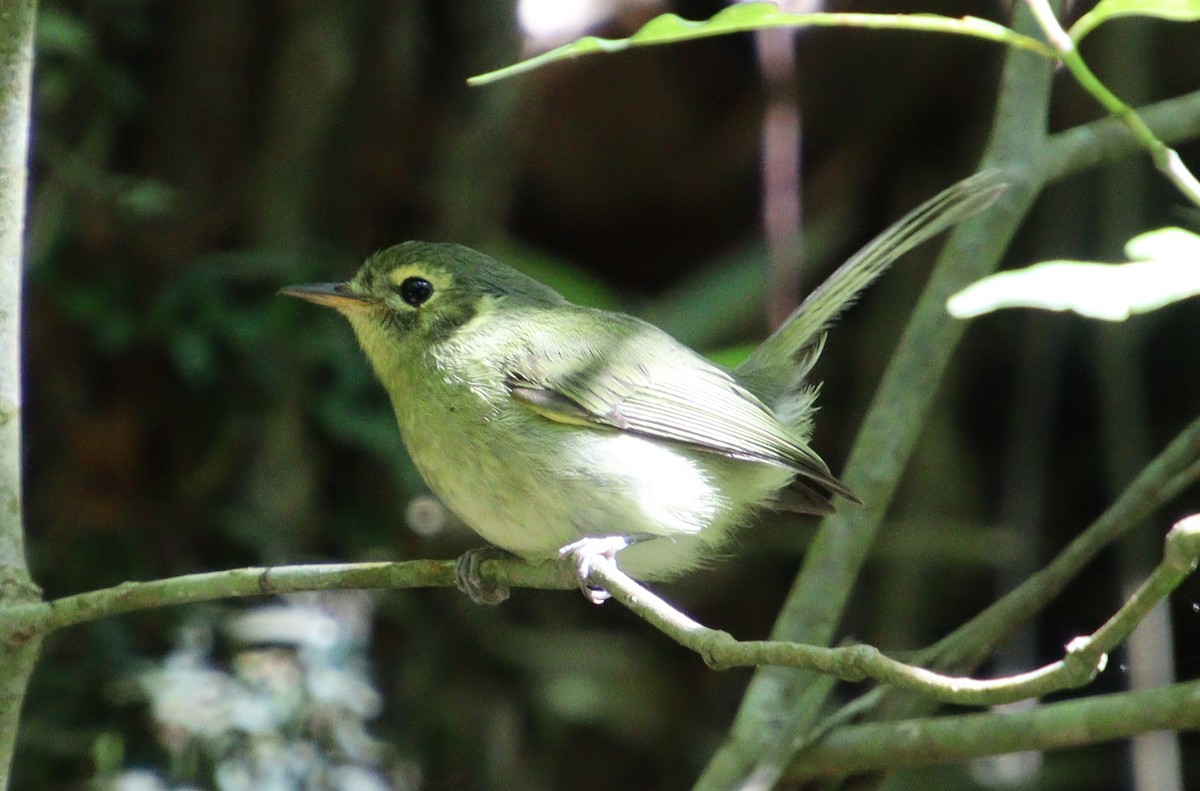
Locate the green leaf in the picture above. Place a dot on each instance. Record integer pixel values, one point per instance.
(742, 17)
(1174, 10)
(1165, 268)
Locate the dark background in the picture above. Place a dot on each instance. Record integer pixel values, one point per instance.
(190, 158)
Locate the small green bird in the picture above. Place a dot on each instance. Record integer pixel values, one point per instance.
(550, 428)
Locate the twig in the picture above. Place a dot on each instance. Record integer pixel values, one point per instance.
(1175, 469)
(1174, 120)
(1165, 158)
(1171, 472)
(22, 623)
(1085, 656)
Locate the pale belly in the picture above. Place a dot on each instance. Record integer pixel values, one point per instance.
(532, 486)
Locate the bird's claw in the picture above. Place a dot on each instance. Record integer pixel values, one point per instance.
(584, 553)
(468, 580)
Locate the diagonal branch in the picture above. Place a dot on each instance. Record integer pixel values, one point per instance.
(1170, 473)
(1085, 656)
(1164, 478)
(1174, 120)
(899, 744)
(1166, 159)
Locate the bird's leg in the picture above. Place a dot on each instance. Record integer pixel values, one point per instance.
(467, 579)
(584, 552)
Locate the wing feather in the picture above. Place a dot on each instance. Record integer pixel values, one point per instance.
(632, 377)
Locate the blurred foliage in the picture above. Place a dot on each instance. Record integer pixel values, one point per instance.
(192, 158)
(287, 709)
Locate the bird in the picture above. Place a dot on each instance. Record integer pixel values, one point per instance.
(556, 429)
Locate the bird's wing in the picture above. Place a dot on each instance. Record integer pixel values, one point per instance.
(630, 376)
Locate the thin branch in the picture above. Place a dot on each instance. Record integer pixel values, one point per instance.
(17, 18)
(1085, 656)
(22, 623)
(1165, 158)
(1175, 469)
(1163, 479)
(1175, 120)
(921, 742)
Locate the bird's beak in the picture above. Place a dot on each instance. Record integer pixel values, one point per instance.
(333, 295)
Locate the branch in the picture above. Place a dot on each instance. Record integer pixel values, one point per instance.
(1085, 657)
(21, 623)
(1165, 158)
(17, 18)
(1175, 120)
(1175, 469)
(937, 740)
(16, 60)
(1164, 478)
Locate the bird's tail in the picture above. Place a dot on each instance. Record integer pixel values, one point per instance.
(778, 366)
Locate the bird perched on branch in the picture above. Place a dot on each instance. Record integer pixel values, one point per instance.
(551, 428)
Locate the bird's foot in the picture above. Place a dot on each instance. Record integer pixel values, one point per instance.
(468, 580)
(584, 553)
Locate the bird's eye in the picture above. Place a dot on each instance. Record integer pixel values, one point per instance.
(416, 291)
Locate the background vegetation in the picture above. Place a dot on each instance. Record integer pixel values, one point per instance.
(191, 158)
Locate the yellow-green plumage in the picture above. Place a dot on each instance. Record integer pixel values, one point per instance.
(540, 422)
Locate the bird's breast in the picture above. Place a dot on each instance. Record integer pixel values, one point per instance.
(532, 485)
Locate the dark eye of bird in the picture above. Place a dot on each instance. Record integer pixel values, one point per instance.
(415, 291)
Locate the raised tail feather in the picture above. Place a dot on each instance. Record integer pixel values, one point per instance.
(780, 363)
